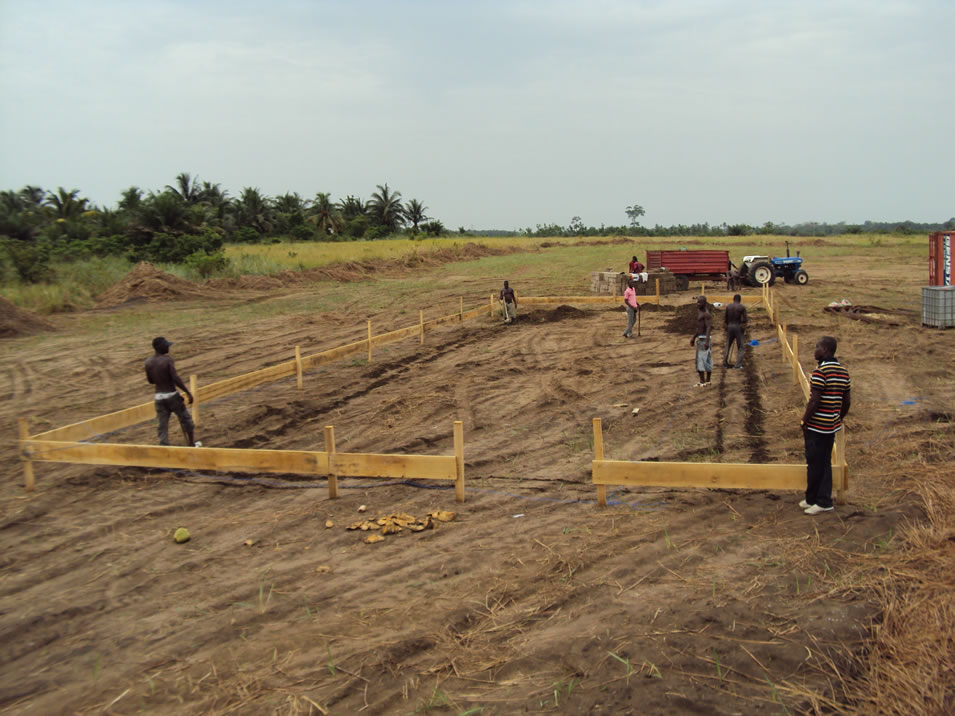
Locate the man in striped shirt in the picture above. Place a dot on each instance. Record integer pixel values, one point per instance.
(828, 405)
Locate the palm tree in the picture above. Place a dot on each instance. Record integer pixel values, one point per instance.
(32, 196)
(385, 207)
(414, 212)
(325, 215)
(131, 199)
(352, 207)
(289, 203)
(253, 210)
(186, 188)
(164, 213)
(66, 204)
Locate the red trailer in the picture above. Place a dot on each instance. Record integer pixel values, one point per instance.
(687, 266)
(940, 258)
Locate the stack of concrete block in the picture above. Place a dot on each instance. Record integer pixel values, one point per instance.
(608, 282)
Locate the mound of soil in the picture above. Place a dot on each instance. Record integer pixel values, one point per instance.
(684, 319)
(147, 283)
(872, 314)
(561, 313)
(16, 321)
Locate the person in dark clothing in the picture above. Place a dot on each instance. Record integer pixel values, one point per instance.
(735, 328)
(701, 339)
(508, 304)
(828, 405)
(161, 372)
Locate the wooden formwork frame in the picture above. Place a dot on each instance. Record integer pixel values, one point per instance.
(726, 475)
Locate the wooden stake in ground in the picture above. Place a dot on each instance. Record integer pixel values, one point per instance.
(491, 306)
(421, 323)
(369, 340)
(330, 449)
(795, 359)
(298, 366)
(599, 455)
(28, 480)
(460, 308)
(658, 291)
(195, 399)
(459, 460)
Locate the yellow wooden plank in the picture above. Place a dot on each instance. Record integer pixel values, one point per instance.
(102, 424)
(699, 474)
(305, 462)
(393, 336)
(333, 354)
(428, 467)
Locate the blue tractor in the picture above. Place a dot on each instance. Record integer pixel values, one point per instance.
(757, 270)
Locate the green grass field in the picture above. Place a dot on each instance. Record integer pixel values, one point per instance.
(564, 263)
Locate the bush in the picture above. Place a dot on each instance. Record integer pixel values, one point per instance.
(115, 245)
(166, 248)
(70, 251)
(207, 264)
(301, 232)
(30, 261)
(246, 235)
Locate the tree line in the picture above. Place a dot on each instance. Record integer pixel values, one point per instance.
(188, 221)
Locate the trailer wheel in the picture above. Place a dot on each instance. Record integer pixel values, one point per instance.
(762, 273)
(682, 282)
(802, 278)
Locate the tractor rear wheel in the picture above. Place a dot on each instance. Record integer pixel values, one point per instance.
(762, 272)
(802, 278)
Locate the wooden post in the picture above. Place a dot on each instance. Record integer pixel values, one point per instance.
(702, 289)
(461, 308)
(28, 479)
(785, 342)
(795, 359)
(330, 449)
(599, 455)
(839, 472)
(491, 305)
(298, 365)
(195, 399)
(369, 340)
(459, 460)
(658, 291)
(421, 322)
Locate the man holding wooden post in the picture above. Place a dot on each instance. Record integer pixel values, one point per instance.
(161, 372)
(509, 304)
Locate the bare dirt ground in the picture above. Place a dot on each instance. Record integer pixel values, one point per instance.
(533, 599)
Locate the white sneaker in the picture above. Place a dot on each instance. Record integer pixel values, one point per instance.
(198, 443)
(803, 504)
(816, 509)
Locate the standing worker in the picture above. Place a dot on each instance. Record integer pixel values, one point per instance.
(635, 265)
(509, 304)
(161, 372)
(704, 349)
(828, 405)
(735, 328)
(630, 303)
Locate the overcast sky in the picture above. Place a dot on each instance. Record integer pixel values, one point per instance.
(496, 113)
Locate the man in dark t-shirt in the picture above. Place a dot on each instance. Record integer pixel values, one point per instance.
(735, 328)
(509, 303)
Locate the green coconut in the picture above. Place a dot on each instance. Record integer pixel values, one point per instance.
(182, 535)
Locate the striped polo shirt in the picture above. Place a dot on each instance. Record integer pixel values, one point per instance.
(833, 380)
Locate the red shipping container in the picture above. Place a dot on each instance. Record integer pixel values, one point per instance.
(940, 258)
